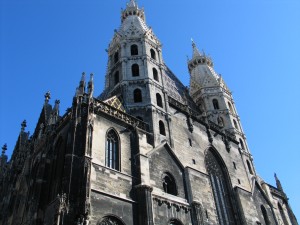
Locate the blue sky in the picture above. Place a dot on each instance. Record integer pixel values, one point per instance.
(255, 45)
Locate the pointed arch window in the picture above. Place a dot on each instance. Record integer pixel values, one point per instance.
(235, 124)
(175, 222)
(134, 50)
(249, 167)
(116, 57)
(162, 129)
(117, 77)
(112, 153)
(242, 144)
(110, 220)
(137, 95)
(155, 74)
(285, 222)
(230, 107)
(265, 215)
(220, 188)
(159, 100)
(169, 184)
(153, 54)
(135, 70)
(216, 104)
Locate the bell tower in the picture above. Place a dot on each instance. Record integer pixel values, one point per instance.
(135, 72)
(211, 94)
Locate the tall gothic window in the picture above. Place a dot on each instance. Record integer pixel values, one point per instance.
(134, 50)
(162, 129)
(152, 52)
(112, 153)
(230, 107)
(110, 220)
(159, 100)
(285, 222)
(216, 104)
(265, 215)
(116, 57)
(235, 125)
(220, 188)
(169, 184)
(117, 77)
(137, 95)
(249, 167)
(135, 70)
(155, 74)
(242, 144)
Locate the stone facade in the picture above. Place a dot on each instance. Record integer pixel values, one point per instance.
(147, 151)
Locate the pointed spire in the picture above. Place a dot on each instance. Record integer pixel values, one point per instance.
(81, 88)
(91, 85)
(83, 76)
(23, 125)
(56, 106)
(196, 52)
(278, 183)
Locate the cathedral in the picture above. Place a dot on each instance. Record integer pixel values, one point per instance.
(146, 151)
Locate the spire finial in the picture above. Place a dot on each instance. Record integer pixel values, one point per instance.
(47, 96)
(23, 125)
(196, 52)
(4, 148)
(132, 3)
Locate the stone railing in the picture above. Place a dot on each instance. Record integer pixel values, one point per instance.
(118, 114)
(182, 107)
(275, 191)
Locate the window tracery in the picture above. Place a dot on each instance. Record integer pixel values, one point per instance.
(112, 153)
(220, 189)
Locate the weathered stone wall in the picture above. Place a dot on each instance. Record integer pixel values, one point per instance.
(104, 205)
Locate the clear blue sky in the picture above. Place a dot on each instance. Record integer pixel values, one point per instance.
(255, 45)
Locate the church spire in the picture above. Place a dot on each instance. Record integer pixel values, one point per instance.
(198, 58)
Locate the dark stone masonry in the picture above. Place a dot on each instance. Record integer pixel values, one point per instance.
(147, 151)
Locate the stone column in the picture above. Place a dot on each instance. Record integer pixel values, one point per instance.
(197, 213)
(144, 197)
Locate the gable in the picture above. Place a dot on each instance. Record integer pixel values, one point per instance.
(162, 161)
